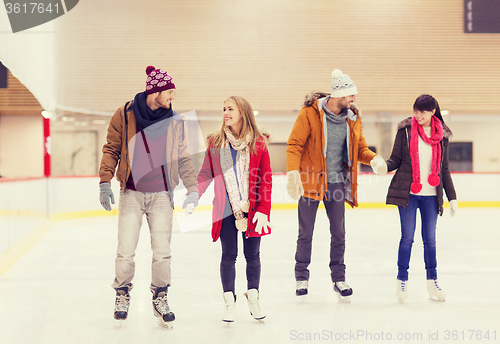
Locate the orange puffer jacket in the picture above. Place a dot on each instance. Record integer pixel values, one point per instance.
(306, 152)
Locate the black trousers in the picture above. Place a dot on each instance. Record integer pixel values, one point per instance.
(251, 250)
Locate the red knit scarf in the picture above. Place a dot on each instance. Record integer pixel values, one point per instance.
(434, 141)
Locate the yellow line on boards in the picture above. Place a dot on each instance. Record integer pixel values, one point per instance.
(379, 205)
(9, 257)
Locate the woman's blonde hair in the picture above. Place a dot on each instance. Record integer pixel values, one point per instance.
(249, 125)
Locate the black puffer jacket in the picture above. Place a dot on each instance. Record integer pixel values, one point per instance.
(399, 189)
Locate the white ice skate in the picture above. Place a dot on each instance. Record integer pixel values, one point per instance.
(435, 292)
(230, 301)
(252, 296)
(344, 292)
(401, 291)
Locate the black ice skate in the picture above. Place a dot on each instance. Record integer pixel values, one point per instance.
(301, 288)
(122, 302)
(161, 308)
(343, 290)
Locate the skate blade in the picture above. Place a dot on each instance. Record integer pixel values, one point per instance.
(165, 324)
(302, 298)
(402, 298)
(261, 320)
(228, 323)
(343, 299)
(436, 299)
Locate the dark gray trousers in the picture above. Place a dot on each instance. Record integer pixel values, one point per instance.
(335, 209)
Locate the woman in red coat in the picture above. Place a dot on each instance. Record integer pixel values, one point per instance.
(238, 160)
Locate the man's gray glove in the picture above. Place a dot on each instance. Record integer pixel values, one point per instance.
(106, 195)
(191, 202)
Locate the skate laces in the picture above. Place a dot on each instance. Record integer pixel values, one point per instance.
(301, 285)
(435, 284)
(122, 302)
(161, 304)
(402, 285)
(342, 285)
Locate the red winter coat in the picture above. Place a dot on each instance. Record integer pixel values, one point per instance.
(260, 185)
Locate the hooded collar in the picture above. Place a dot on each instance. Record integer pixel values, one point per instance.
(406, 123)
(322, 101)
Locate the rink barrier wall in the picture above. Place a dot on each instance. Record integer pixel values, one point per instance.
(29, 207)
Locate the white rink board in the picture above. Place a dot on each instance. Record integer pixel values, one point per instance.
(25, 204)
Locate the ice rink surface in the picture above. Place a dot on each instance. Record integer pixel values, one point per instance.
(59, 291)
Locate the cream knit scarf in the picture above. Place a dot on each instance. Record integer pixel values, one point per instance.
(237, 184)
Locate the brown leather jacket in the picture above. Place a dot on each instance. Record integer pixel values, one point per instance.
(116, 151)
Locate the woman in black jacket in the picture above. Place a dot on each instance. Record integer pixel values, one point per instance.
(420, 155)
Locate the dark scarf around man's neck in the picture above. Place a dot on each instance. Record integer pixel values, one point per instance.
(144, 116)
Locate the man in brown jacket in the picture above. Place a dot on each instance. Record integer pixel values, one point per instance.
(146, 139)
(323, 151)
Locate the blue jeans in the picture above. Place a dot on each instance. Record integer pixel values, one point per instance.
(408, 216)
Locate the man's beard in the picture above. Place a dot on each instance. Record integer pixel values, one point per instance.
(344, 105)
(165, 104)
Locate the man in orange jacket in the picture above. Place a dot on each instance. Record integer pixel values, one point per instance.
(323, 151)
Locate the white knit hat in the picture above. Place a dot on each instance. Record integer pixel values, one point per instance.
(342, 85)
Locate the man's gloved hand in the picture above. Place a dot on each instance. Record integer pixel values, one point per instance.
(190, 202)
(262, 223)
(105, 195)
(379, 165)
(294, 185)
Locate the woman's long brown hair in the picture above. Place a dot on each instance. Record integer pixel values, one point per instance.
(249, 125)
